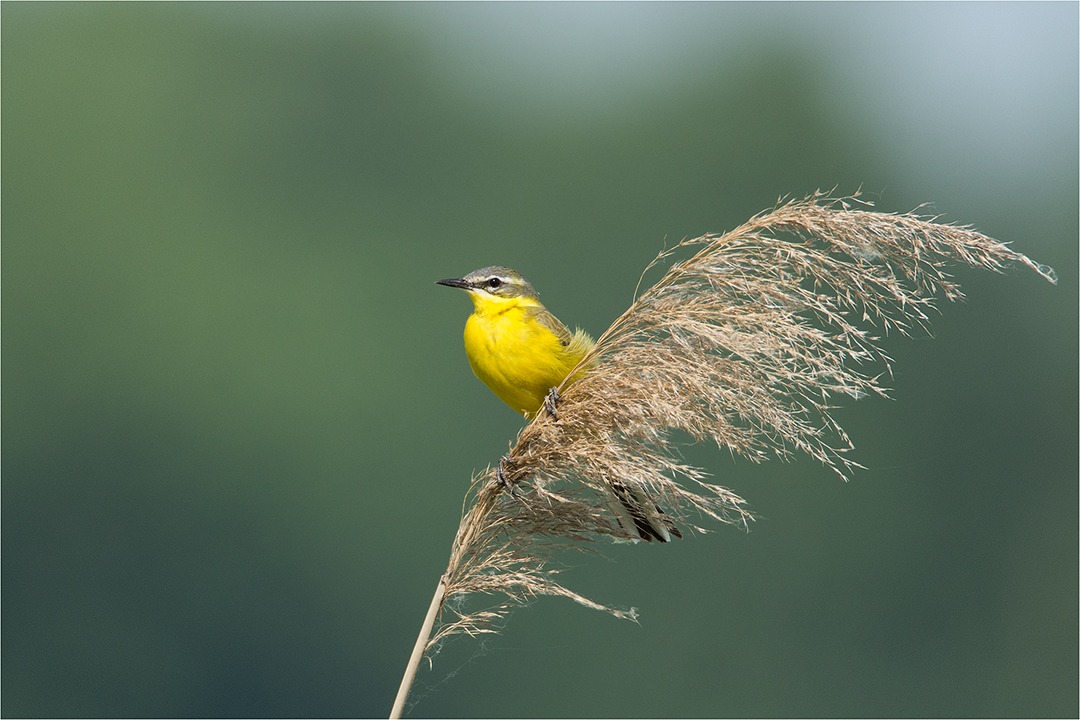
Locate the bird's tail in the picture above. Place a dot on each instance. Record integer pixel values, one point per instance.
(640, 516)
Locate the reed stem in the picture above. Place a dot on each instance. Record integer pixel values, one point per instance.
(418, 651)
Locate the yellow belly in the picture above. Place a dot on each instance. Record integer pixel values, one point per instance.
(519, 360)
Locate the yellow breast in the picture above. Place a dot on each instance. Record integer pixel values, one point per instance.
(517, 356)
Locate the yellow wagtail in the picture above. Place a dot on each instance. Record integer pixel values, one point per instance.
(522, 353)
(518, 348)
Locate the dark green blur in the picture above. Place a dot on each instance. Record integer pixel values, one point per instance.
(238, 421)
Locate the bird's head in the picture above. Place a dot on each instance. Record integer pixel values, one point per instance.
(494, 284)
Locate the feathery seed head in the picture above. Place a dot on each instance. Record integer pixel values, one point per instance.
(746, 343)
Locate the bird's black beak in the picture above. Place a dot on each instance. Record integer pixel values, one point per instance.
(455, 282)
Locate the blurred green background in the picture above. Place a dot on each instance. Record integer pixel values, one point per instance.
(238, 422)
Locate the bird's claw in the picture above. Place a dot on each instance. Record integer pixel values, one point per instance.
(549, 402)
(500, 474)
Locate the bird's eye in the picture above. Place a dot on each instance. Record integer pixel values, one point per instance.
(494, 282)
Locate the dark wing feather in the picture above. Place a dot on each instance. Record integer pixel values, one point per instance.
(545, 318)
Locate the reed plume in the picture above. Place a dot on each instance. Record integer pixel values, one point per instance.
(746, 343)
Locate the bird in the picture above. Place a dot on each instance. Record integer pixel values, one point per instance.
(523, 353)
(518, 348)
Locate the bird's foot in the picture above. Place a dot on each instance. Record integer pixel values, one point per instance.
(549, 402)
(500, 474)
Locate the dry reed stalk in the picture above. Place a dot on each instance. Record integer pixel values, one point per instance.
(743, 343)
